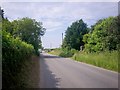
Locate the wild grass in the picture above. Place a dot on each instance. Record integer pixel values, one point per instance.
(63, 52)
(107, 60)
(55, 52)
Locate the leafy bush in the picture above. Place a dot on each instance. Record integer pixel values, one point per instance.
(74, 51)
(56, 51)
(67, 53)
(14, 54)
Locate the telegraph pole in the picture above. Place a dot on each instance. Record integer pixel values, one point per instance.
(62, 38)
(50, 45)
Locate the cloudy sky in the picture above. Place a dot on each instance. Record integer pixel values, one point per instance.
(57, 16)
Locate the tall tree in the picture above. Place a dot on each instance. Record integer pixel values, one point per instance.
(29, 30)
(105, 35)
(74, 35)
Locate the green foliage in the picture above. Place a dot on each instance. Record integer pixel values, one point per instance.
(67, 53)
(14, 52)
(56, 51)
(27, 29)
(105, 35)
(106, 59)
(63, 52)
(85, 38)
(74, 35)
(20, 40)
(74, 51)
(7, 26)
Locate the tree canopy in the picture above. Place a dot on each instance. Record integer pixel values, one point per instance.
(105, 35)
(74, 35)
(27, 29)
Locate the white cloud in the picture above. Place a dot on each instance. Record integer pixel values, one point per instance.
(59, 15)
(61, 1)
(59, 12)
(52, 25)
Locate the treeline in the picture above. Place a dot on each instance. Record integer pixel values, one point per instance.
(104, 35)
(98, 45)
(20, 40)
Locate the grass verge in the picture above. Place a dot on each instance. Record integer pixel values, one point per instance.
(32, 72)
(55, 52)
(107, 60)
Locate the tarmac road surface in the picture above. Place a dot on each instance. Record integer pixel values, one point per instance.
(58, 72)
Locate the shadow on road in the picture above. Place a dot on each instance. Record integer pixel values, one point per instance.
(48, 56)
(47, 78)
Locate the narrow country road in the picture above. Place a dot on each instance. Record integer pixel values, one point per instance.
(57, 72)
